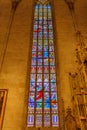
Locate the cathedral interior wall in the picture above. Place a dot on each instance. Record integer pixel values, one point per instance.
(15, 60)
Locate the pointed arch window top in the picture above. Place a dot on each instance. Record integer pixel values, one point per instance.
(42, 1)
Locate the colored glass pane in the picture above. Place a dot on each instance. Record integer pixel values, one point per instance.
(38, 120)
(32, 86)
(46, 61)
(39, 86)
(46, 77)
(52, 69)
(53, 86)
(33, 69)
(46, 69)
(39, 96)
(55, 120)
(46, 106)
(53, 97)
(46, 120)
(39, 69)
(33, 61)
(31, 97)
(39, 61)
(30, 120)
(46, 86)
(33, 77)
(46, 97)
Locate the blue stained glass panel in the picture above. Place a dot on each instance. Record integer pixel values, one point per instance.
(39, 87)
(45, 54)
(39, 61)
(31, 106)
(33, 77)
(32, 86)
(46, 86)
(46, 97)
(39, 48)
(53, 97)
(30, 120)
(31, 97)
(33, 61)
(53, 87)
(46, 61)
(47, 106)
(54, 106)
(55, 120)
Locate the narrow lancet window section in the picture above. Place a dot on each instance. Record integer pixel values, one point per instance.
(43, 101)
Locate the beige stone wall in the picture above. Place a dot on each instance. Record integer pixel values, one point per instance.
(13, 75)
(15, 67)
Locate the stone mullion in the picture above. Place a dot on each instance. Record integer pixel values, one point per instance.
(42, 68)
(36, 73)
(49, 71)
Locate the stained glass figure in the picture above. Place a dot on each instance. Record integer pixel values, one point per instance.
(55, 120)
(30, 121)
(32, 86)
(46, 87)
(43, 102)
(39, 96)
(47, 120)
(33, 77)
(38, 120)
(46, 61)
(31, 97)
(46, 69)
(39, 69)
(33, 69)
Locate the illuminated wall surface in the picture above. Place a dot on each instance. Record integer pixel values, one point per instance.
(43, 102)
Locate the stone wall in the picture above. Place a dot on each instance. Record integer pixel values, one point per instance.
(16, 50)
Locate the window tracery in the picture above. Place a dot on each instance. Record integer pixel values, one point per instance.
(43, 102)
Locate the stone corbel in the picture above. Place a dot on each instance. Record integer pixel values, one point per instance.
(15, 4)
(70, 4)
(70, 121)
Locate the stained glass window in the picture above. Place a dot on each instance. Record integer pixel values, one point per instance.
(43, 98)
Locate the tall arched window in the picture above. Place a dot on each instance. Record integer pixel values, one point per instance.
(43, 102)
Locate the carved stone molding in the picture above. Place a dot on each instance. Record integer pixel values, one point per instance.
(42, 1)
(70, 122)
